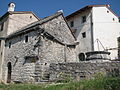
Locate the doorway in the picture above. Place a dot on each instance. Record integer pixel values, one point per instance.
(9, 72)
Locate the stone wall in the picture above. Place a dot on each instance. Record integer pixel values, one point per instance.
(84, 70)
(48, 52)
(30, 60)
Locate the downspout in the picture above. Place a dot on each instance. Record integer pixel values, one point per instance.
(92, 38)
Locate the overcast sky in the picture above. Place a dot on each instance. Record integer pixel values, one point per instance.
(43, 8)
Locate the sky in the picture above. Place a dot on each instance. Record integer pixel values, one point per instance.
(43, 8)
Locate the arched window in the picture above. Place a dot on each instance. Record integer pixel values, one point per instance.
(81, 57)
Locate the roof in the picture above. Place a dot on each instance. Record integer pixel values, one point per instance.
(88, 7)
(40, 22)
(17, 12)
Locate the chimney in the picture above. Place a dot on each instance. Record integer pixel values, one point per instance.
(108, 5)
(11, 6)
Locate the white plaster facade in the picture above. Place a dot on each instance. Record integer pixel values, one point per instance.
(101, 24)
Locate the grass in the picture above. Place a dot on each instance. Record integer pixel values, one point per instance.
(95, 84)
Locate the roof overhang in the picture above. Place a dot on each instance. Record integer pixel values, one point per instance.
(18, 12)
(86, 8)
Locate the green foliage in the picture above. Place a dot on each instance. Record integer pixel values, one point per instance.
(20, 87)
(111, 83)
(99, 75)
(64, 78)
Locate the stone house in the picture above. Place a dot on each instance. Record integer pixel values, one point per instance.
(10, 22)
(96, 28)
(29, 46)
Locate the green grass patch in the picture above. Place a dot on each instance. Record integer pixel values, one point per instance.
(95, 84)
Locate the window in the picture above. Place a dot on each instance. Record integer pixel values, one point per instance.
(113, 19)
(26, 38)
(2, 25)
(83, 19)
(81, 57)
(72, 24)
(9, 44)
(84, 34)
(30, 16)
(107, 11)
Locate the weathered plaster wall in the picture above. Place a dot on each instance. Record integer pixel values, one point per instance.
(84, 43)
(18, 21)
(5, 21)
(106, 28)
(83, 70)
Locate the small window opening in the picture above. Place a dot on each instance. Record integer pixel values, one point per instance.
(81, 57)
(2, 26)
(107, 11)
(45, 63)
(84, 34)
(83, 19)
(26, 38)
(72, 24)
(30, 16)
(9, 44)
(113, 19)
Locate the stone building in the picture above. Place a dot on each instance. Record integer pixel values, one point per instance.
(30, 45)
(37, 50)
(10, 22)
(97, 28)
